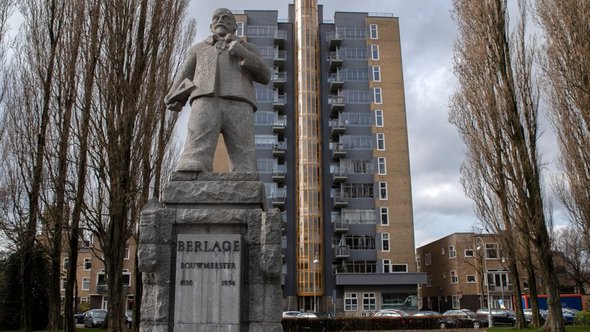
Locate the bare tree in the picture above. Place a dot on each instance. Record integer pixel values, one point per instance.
(496, 112)
(569, 243)
(566, 64)
(132, 74)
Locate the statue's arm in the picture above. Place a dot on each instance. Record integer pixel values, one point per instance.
(187, 71)
(252, 61)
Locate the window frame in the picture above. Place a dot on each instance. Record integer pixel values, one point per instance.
(373, 31)
(369, 301)
(377, 95)
(384, 212)
(386, 263)
(353, 305)
(467, 277)
(454, 277)
(85, 279)
(380, 141)
(374, 52)
(379, 118)
(383, 190)
(241, 27)
(381, 165)
(376, 73)
(85, 264)
(467, 250)
(452, 252)
(385, 242)
(427, 259)
(404, 265)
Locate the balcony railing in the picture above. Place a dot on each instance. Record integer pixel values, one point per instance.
(337, 128)
(336, 104)
(338, 151)
(336, 82)
(279, 79)
(341, 252)
(334, 40)
(335, 60)
(279, 102)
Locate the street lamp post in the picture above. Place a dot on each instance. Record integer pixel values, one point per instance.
(315, 282)
(482, 245)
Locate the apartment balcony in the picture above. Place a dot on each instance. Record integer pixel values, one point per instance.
(278, 173)
(335, 60)
(337, 128)
(342, 252)
(279, 150)
(278, 199)
(279, 79)
(338, 177)
(279, 58)
(377, 279)
(279, 103)
(280, 37)
(334, 40)
(278, 127)
(338, 151)
(340, 227)
(336, 105)
(339, 201)
(336, 82)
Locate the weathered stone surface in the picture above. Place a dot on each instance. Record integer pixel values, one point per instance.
(260, 294)
(216, 216)
(272, 227)
(207, 176)
(214, 192)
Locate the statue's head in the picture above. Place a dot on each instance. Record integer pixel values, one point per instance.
(223, 22)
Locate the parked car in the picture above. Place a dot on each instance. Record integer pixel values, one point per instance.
(391, 313)
(94, 317)
(307, 315)
(528, 315)
(569, 315)
(291, 314)
(426, 313)
(129, 318)
(500, 316)
(461, 318)
(79, 317)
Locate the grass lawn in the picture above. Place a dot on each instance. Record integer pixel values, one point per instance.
(567, 329)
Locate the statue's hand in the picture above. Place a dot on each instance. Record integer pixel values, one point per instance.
(237, 49)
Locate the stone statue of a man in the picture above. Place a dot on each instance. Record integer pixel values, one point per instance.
(216, 79)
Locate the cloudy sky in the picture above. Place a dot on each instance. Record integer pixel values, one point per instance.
(436, 151)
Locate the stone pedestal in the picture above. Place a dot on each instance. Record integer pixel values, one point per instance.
(210, 256)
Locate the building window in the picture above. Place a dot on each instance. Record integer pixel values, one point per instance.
(442, 251)
(382, 190)
(452, 252)
(386, 266)
(381, 166)
(384, 215)
(63, 283)
(240, 29)
(399, 268)
(84, 299)
(456, 302)
(66, 263)
(126, 252)
(385, 241)
(350, 302)
(373, 31)
(444, 275)
(492, 251)
(428, 259)
(429, 280)
(85, 283)
(418, 261)
(87, 263)
(379, 118)
(375, 52)
(471, 279)
(377, 96)
(126, 278)
(380, 141)
(468, 253)
(369, 301)
(454, 277)
(376, 73)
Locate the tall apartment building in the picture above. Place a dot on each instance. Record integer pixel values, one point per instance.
(332, 149)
